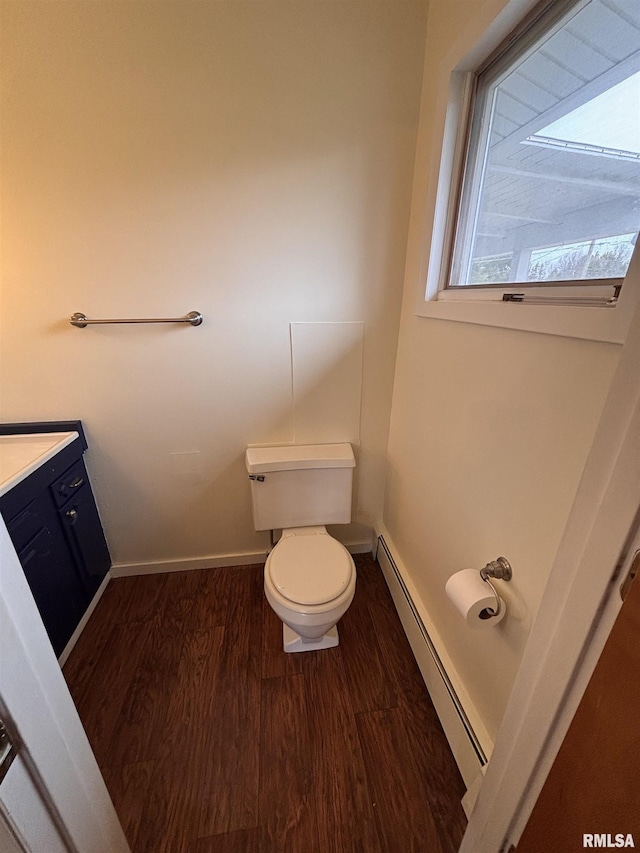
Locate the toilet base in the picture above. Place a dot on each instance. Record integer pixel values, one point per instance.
(292, 642)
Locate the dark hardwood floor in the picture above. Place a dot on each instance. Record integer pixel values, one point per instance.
(212, 739)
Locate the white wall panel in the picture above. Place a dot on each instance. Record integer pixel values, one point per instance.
(326, 363)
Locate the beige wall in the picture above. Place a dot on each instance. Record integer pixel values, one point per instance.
(251, 160)
(490, 427)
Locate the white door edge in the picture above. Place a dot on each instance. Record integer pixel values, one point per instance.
(56, 753)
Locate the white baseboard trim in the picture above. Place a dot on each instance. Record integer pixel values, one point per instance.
(155, 567)
(214, 561)
(468, 738)
(73, 639)
(359, 547)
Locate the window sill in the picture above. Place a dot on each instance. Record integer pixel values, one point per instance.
(486, 308)
(608, 324)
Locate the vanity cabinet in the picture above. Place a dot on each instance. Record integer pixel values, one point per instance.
(53, 577)
(53, 522)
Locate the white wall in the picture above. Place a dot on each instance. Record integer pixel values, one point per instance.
(490, 427)
(250, 160)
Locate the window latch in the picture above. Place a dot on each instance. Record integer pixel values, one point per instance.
(583, 301)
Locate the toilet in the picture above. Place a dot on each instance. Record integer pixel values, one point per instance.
(309, 577)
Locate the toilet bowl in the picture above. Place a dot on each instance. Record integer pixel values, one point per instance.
(309, 581)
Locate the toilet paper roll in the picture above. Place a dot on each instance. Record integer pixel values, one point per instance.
(473, 598)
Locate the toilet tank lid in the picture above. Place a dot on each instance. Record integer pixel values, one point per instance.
(289, 457)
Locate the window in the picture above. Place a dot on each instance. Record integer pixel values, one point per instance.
(546, 202)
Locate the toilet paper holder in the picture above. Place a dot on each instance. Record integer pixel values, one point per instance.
(499, 569)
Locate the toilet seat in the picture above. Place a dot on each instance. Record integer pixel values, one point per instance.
(310, 569)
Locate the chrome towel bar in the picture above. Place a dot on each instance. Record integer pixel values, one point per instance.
(80, 320)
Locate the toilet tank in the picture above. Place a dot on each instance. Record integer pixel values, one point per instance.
(300, 485)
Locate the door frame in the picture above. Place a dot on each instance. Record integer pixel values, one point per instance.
(580, 604)
(53, 744)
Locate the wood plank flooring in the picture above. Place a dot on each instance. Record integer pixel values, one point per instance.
(212, 740)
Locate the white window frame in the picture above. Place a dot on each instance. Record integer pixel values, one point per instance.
(484, 305)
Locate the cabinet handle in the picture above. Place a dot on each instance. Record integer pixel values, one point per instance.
(76, 483)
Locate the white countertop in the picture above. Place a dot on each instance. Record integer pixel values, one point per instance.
(20, 455)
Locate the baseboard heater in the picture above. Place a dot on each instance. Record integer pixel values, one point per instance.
(457, 704)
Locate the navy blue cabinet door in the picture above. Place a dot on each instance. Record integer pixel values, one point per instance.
(86, 540)
(58, 593)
